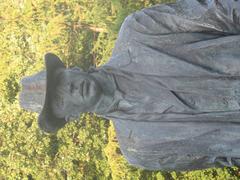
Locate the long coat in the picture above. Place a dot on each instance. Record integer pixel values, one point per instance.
(194, 47)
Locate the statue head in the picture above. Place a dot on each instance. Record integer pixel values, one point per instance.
(59, 94)
(69, 92)
(76, 92)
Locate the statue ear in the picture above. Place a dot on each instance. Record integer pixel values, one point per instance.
(92, 69)
(76, 69)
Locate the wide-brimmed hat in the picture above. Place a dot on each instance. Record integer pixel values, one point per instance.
(37, 94)
(47, 121)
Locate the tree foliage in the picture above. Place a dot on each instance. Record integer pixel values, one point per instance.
(82, 33)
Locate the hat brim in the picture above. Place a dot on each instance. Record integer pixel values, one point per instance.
(47, 121)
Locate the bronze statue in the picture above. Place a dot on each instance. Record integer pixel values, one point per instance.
(171, 87)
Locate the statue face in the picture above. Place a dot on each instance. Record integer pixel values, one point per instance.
(77, 91)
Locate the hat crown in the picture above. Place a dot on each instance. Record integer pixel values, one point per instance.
(37, 91)
(32, 95)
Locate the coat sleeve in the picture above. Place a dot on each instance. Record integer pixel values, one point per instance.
(178, 163)
(190, 37)
(213, 17)
(167, 159)
(158, 148)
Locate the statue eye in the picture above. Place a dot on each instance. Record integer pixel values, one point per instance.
(76, 69)
(60, 102)
(71, 87)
